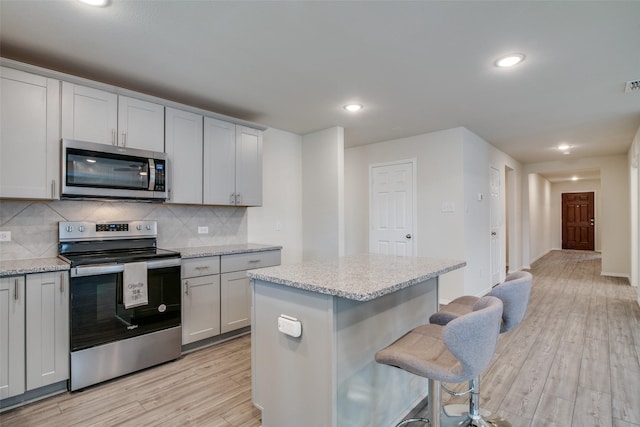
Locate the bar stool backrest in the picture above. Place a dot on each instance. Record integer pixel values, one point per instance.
(472, 338)
(514, 293)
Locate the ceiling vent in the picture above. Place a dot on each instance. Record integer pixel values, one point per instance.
(632, 86)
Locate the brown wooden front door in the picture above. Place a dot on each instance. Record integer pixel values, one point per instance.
(578, 221)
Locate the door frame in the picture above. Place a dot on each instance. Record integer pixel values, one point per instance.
(414, 197)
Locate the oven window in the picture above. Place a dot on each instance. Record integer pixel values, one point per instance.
(99, 317)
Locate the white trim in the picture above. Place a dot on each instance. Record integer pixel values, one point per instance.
(611, 274)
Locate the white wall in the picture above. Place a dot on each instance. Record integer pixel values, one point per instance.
(557, 188)
(279, 220)
(452, 166)
(614, 217)
(323, 194)
(539, 190)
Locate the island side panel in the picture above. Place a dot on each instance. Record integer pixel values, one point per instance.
(293, 378)
(370, 394)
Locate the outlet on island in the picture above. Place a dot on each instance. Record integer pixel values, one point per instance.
(203, 230)
(5, 236)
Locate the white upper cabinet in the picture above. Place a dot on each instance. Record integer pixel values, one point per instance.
(140, 124)
(95, 115)
(232, 164)
(29, 138)
(183, 144)
(219, 162)
(248, 166)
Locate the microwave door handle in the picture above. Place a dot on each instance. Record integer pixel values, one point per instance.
(152, 175)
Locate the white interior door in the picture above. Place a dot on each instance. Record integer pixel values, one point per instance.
(495, 215)
(392, 215)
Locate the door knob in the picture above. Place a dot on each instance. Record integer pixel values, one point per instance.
(493, 233)
(408, 236)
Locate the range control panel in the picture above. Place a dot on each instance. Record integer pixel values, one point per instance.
(86, 230)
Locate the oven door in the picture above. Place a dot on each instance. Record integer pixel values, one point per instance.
(98, 315)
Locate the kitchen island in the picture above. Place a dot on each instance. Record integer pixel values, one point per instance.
(344, 310)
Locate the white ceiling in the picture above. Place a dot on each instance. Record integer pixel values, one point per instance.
(417, 66)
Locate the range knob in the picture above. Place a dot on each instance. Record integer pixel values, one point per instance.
(139, 227)
(149, 227)
(69, 228)
(81, 229)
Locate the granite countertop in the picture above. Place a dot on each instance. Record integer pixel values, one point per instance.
(42, 265)
(28, 266)
(359, 277)
(204, 251)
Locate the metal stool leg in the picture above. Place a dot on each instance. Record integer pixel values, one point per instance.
(474, 419)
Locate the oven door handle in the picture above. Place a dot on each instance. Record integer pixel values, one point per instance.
(97, 270)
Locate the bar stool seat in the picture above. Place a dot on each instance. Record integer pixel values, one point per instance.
(514, 293)
(455, 352)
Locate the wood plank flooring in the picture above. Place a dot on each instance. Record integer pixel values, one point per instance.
(573, 361)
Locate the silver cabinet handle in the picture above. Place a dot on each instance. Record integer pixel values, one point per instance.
(124, 138)
(238, 199)
(53, 188)
(253, 261)
(113, 137)
(62, 283)
(186, 287)
(16, 287)
(202, 267)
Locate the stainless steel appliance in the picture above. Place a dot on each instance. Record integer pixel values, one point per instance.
(91, 170)
(110, 337)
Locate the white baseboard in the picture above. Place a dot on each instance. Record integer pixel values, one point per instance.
(611, 274)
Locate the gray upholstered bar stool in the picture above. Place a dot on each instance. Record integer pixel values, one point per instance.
(455, 352)
(514, 293)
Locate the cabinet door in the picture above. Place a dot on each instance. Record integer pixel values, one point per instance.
(183, 144)
(219, 162)
(200, 308)
(140, 124)
(235, 294)
(47, 329)
(89, 114)
(29, 129)
(12, 298)
(248, 166)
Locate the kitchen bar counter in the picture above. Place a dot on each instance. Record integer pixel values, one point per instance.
(348, 308)
(360, 277)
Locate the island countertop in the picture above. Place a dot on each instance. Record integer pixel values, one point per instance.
(361, 277)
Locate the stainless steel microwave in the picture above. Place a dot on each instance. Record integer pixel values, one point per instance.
(91, 170)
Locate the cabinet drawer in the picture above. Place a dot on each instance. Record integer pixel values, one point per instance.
(194, 267)
(250, 260)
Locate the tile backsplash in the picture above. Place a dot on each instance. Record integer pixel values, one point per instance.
(34, 224)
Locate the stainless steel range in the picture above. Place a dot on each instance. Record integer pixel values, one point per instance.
(125, 299)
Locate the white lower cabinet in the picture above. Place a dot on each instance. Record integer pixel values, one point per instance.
(200, 299)
(47, 329)
(216, 293)
(12, 364)
(235, 291)
(235, 286)
(34, 316)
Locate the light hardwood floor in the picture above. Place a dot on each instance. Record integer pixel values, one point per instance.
(573, 361)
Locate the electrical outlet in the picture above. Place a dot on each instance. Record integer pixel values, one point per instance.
(278, 226)
(203, 230)
(448, 207)
(5, 236)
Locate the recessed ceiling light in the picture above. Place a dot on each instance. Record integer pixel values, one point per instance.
(510, 60)
(97, 3)
(563, 147)
(353, 107)
(574, 178)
